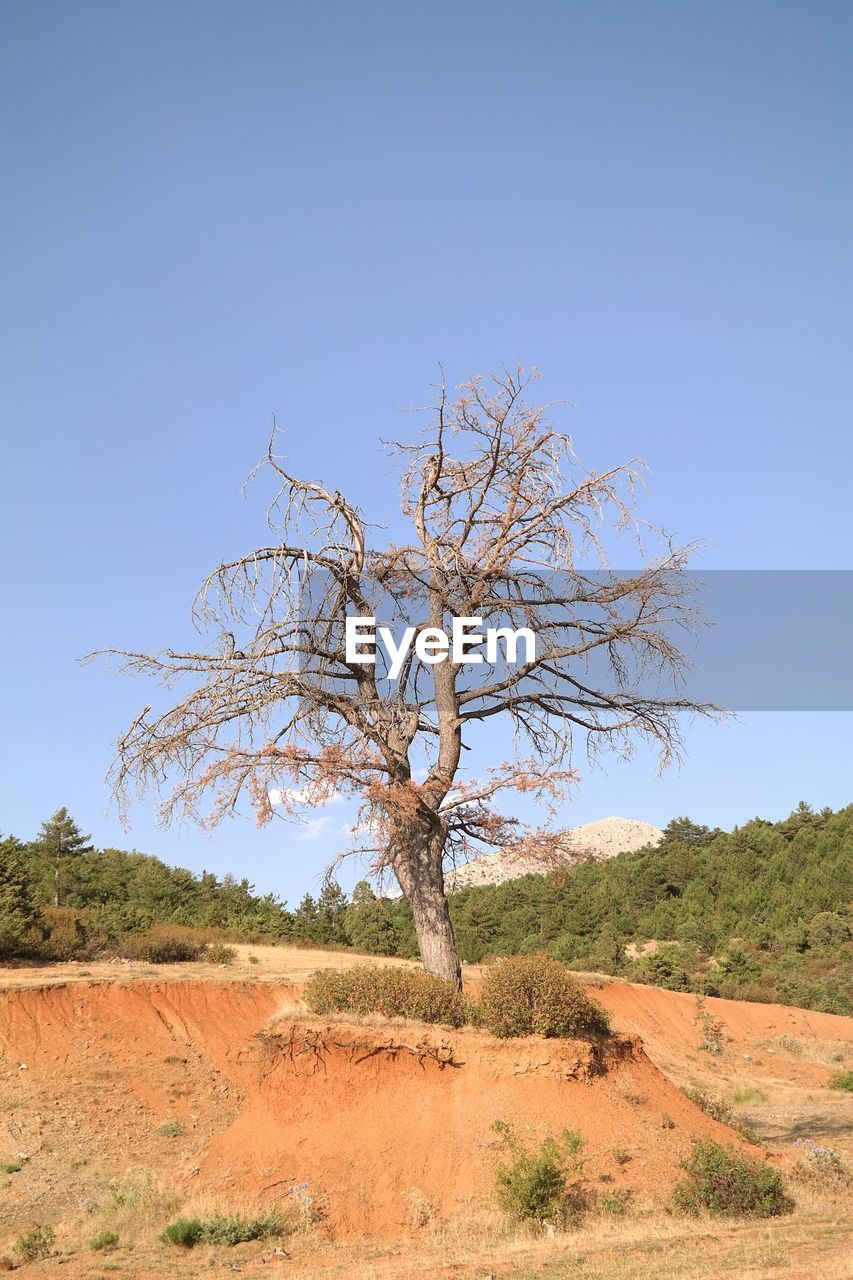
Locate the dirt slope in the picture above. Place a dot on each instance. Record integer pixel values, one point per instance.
(88, 1073)
(265, 1099)
(773, 1067)
(359, 1113)
(668, 1023)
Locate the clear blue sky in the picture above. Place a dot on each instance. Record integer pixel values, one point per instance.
(219, 211)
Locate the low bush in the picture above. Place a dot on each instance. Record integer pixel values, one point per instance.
(725, 1184)
(842, 1080)
(71, 935)
(14, 1167)
(821, 1166)
(536, 995)
(228, 1229)
(666, 967)
(164, 944)
(66, 936)
(186, 1232)
(533, 1184)
(34, 1245)
(171, 1129)
(615, 1203)
(233, 1229)
(219, 953)
(393, 992)
(105, 1240)
(712, 1039)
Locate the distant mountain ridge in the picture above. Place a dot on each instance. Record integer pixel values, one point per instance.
(590, 842)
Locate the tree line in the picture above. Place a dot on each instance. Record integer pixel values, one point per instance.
(763, 912)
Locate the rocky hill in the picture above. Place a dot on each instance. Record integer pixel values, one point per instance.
(593, 841)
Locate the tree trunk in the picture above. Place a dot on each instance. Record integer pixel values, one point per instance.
(418, 865)
(436, 941)
(56, 874)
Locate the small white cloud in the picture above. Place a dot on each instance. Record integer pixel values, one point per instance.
(300, 796)
(313, 829)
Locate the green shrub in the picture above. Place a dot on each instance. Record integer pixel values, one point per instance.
(218, 953)
(171, 1129)
(535, 995)
(842, 1080)
(220, 1229)
(186, 1232)
(393, 992)
(533, 1185)
(664, 967)
(231, 1230)
(727, 1185)
(34, 1245)
(615, 1203)
(105, 1240)
(14, 1167)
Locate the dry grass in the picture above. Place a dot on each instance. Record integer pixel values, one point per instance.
(272, 964)
(654, 1247)
(819, 1052)
(817, 1240)
(137, 1206)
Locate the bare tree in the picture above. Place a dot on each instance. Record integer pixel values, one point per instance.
(503, 518)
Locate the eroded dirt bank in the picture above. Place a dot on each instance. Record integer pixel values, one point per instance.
(266, 1099)
(365, 1114)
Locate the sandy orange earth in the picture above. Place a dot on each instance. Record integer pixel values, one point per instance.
(380, 1125)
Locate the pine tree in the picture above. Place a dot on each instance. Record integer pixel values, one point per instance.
(305, 919)
(369, 924)
(59, 840)
(19, 915)
(331, 909)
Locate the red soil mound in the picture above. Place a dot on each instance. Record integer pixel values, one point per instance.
(365, 1114)
(360, 1114)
